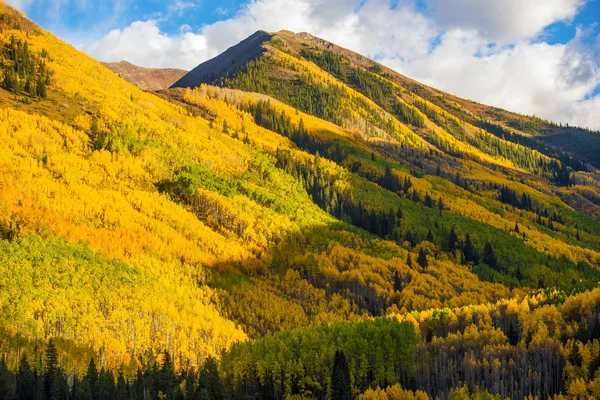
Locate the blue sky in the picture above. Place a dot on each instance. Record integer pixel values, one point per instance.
(69, 18)
(531, 56)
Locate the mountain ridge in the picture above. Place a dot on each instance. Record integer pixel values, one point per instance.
(546, 134)
(149, 79)
(303, 211)
(236, 55)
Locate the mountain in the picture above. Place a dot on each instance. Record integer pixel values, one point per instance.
(309, 224)
(234, 57)
(149, 79)
(266, 50)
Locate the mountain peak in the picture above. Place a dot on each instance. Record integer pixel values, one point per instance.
(149, 79)
(235, 56)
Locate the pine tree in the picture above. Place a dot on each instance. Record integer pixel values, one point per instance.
(410, 238)
(25, 381)
(452, 240)
(575, 357)
(51, 370)
(210, 381)
(7, 382)
(340, 378)
(519, 275)
(422, 258)
(42, 91)
(397, 282)
(469, 251)
(92, 380)
(122, 390)
(167, 379)
(106, 385)
(489, 257)
(428, 200)
(430, 237)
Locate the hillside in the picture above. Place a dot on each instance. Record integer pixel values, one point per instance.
(307, 213)
(530, 131)
(148, 79)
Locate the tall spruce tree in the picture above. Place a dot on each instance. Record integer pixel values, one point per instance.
(26, 381)
(340, 378)
(7, 382)
(489, 257)
(422, 258)
(210, 381)
(452, 240)
(91, 380)
(51, 371)
(469, 251)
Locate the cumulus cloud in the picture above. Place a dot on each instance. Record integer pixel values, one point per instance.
(504, 20)
(531, 78)
(144, 44)
(488, 51)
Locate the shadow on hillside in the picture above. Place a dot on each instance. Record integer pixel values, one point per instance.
(285, 287)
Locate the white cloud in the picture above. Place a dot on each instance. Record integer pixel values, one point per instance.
(20, 4)
(181, 6)
(142, 43)
(531, 78)
(503, 20)
(519, 72)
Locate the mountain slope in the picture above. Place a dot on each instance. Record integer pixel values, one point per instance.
(176, 200)
(149, 79)
(531, 131)
(232, 58)
(336, 210)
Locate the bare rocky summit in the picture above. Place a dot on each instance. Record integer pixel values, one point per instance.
(149, 79)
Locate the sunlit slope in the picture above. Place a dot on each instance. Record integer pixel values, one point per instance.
(131, 224)
(540, 199)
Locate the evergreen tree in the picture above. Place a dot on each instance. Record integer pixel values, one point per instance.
(519, 275)
(422, 258)
(397, 282)
(489, 257)
(26, 381)
(452, 240)
(469, 251)
(42, 91)
(428, 200)
(410, 238)
(430, 237)
(91, 380)
(122, 391)
(7, 382)
(210, 381)
(167, 379)
(575, 357)
(106, 385)
(51, 371)
(593, 367)
(340, 378)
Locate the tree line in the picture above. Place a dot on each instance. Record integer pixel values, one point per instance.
(24, 71)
